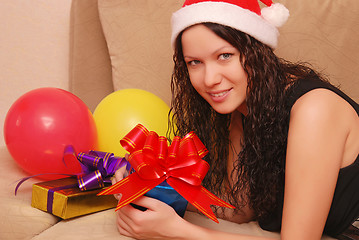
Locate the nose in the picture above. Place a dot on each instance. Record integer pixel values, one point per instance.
(212, 75)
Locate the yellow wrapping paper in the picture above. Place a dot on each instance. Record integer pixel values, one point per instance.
(70, 202)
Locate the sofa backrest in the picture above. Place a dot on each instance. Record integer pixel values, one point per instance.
(326, 34)
(90, 76)
(323, 33)
(137, 34)
(34, 46)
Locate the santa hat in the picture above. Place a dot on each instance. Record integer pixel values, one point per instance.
(243, 15)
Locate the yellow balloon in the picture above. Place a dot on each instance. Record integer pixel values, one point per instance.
(121, 111)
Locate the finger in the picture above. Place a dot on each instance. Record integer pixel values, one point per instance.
(124, 232)
(118, 196)
(126, 213)
(122, 226)
(125, 222)
(119, 174)
(113, 180)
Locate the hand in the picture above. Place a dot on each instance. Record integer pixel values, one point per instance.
(119, 175)
(159, 221)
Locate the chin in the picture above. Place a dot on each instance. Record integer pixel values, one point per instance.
(224, 110)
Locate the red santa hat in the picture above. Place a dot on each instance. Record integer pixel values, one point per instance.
(243, 15)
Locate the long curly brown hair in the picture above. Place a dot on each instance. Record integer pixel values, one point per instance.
(259, 168)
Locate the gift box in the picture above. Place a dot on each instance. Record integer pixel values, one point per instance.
(63, 198)
(165, 193)
(177, 167)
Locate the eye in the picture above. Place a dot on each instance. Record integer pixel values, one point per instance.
(225, 56)
(193, 62)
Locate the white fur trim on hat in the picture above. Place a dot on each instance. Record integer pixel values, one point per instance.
(225, 14)
(277, 14)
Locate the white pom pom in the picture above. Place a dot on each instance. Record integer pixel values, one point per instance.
(277, 14)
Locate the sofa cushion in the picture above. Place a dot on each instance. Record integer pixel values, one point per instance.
(90, 66)
(325, 34)
(138, 38)
(102, 225)
(18, 220)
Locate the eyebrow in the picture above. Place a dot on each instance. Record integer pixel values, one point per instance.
(212, 53)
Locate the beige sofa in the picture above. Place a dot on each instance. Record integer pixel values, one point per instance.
(117, 44)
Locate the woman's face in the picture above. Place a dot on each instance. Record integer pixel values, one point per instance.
(215, 69)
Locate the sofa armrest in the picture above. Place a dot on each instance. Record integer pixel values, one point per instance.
(18, 220)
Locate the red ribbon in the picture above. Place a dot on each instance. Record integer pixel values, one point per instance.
(180, 164)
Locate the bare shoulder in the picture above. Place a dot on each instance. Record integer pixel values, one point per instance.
(318, 125)
(323, 101)
(322, 112)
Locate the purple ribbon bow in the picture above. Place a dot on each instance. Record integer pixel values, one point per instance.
(97, 167)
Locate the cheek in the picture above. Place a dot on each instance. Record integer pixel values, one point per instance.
(241, 78)
(195, 81)
(198, 87)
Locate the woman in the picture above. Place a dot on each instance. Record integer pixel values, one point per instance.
(283, 142)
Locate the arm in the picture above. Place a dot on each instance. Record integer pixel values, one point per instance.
(316, 140)
(161, 222)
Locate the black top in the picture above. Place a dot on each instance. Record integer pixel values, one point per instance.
(345, 205)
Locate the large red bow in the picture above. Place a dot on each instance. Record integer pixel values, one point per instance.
(180, 164)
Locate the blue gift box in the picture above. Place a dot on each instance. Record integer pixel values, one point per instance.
(165, 193)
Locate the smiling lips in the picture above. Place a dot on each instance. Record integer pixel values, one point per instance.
(219, 96)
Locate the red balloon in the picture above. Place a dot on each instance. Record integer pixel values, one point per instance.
(41, 123)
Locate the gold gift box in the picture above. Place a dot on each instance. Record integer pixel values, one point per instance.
(69, 202)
